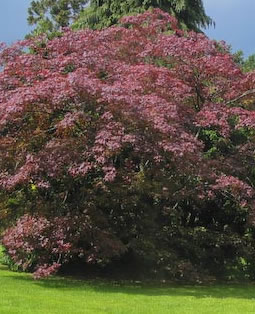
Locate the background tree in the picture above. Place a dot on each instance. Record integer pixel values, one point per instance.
(50, 15)
(103, 13)
(247, 64)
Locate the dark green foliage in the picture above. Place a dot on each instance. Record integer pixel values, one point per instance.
(104, 13)
(50, 15)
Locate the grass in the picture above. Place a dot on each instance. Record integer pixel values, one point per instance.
(21, 294)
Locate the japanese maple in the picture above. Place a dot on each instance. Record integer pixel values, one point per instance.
(145, 129)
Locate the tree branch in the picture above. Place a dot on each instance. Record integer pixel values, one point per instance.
(249, 92)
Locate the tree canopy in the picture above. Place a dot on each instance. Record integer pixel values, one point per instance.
(104, 13)
(50, 15)
(247, 64)
(131, 143)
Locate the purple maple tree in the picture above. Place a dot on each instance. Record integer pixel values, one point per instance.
(100, 130)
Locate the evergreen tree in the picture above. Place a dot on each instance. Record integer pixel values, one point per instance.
(50, 15)
(103, 13)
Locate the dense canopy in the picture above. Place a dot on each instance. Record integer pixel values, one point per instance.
(103, 13)
(132, 143)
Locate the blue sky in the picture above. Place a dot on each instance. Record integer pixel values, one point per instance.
(235, 22)
(13, 20)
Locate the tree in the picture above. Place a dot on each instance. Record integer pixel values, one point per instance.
(130, 143)
(104, 13)
(247, 64)
(50, 15)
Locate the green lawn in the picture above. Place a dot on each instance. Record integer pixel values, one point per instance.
(21, 294)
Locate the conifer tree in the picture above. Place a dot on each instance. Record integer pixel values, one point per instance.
(103, 13)
(50, 15)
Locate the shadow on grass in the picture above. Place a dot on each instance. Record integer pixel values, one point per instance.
(221, 291)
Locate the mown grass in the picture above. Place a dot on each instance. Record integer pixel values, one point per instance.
(21, 294)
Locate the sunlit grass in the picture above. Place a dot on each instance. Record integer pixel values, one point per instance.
(21, 294)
